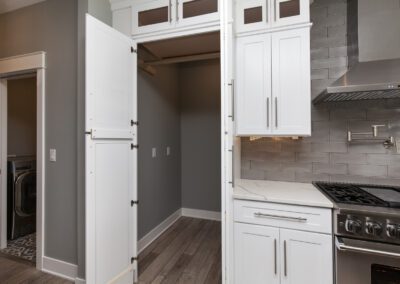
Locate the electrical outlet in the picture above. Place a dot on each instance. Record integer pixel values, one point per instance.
(154, 152)
(168, 151)
(53, 155)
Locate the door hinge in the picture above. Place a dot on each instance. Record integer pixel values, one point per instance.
(133, 146)
(88, 132)
(133, 202)
(134, 122)
(133, 259)
(133, 50)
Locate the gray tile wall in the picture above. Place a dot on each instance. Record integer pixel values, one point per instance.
(327, 155)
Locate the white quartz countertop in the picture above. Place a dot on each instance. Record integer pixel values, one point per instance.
(280, 192)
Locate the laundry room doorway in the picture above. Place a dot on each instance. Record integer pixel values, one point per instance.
(22, 83)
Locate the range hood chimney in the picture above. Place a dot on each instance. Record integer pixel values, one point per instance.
(365, 81)
(376, 79)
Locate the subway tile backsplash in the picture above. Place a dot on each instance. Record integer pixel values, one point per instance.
(326, 155)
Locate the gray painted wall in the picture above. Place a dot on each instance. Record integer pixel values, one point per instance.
(177, 109)
(51, 26)
(379, 26)
(101, 9)
(200, 135)
(21, 120)
(326, 155)
(159, 117)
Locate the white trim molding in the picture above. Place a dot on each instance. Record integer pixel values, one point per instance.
(201, 214)
(158, 230)
(22, 63)
(60, 268)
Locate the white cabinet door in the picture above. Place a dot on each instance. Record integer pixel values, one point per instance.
(256, 254)
(193, 12)
(252, 15)
(153, 16)
(111, 161)
(290, 12)
(291, 85)
(253, 92)
(306, 258)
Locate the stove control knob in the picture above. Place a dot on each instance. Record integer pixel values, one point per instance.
(352, 226)
(373, 228)
(392, 230)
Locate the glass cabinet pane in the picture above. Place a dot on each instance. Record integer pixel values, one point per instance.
(253, 15)
(199, 7)
(289, 8)
(153, 16)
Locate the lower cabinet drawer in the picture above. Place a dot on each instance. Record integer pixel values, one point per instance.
(284, 216)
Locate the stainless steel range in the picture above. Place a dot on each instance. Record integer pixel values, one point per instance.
(367, 232)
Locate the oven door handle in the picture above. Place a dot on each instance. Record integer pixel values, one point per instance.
(341, 246)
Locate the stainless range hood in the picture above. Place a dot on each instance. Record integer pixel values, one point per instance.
(365, 81)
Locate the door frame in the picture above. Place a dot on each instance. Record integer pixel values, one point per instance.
(33, 63)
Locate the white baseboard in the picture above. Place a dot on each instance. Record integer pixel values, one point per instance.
(60, 268)
(80, 281)
(157, 231)
(201, 214)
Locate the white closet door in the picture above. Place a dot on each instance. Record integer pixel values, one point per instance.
(111, 158)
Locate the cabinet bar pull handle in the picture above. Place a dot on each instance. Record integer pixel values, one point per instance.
(275, 255)
(275, 7)
(287, 218)
(232, 85)
(266, 11)
(170, 11)
(233, 166)
(276, 112)
(268, 112)
(285, 258)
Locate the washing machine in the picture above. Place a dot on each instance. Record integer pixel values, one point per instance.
(21, 196)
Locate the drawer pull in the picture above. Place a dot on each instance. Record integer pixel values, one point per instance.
(288, 218)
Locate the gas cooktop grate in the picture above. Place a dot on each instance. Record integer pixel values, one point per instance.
(350, 194)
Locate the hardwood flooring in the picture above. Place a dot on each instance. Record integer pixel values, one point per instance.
(16, 271)
(188, 252)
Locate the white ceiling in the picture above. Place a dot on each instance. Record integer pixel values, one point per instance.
(11, 5)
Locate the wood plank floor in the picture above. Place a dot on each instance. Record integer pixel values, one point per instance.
(16, 271)
(188, 252)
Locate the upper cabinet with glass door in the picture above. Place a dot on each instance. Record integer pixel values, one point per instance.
(153, 16)
(194, 12)
(253, 15)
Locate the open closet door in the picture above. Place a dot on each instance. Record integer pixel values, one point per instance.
(111, 155)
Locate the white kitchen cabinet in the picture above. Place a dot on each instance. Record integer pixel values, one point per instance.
(256, 254)
(274, 253)
(253, 84)
(273, 84)
(195, 12)
(290, 12)
(291, 82)
(253, 15)
(306, 257)
(152, 16)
